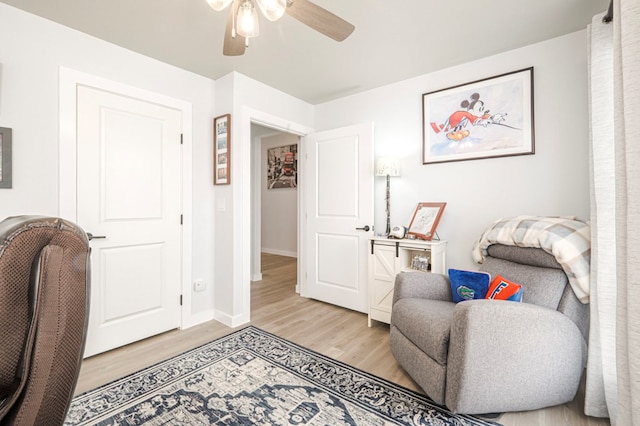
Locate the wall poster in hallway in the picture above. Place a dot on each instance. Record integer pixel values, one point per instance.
(282, 167)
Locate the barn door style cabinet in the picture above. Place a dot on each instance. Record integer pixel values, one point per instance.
(388, 257)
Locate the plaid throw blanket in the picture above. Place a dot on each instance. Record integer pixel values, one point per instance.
(566, 238)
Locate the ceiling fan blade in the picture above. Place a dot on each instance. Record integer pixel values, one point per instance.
(233, 46)
(319, 19)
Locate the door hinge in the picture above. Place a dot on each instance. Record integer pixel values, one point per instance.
(180, 300)
(181, 139)
(181, 219)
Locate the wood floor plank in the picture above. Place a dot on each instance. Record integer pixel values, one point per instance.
(333, 331)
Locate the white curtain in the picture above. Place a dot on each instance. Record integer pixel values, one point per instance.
(601, 366)
(613, 367)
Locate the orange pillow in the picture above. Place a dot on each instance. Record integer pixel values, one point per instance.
(503, 289)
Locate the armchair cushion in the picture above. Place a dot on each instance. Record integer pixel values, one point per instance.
(543, 286)
(411, 317)
(540, 357)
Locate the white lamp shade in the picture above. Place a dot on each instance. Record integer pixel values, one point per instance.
(218, 5)
(272, 9)
(387, 166)
(247, 20)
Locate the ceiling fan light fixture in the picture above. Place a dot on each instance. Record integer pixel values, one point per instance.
(218, 5)
(242, 20)
(272, 9)
(247, 21)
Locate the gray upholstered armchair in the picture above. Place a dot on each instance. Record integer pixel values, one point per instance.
(485, 356)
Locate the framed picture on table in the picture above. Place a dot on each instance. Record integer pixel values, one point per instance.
(425, 220)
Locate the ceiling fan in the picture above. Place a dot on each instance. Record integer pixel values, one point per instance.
(242, 23)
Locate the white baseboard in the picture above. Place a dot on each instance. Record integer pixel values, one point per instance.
(280, 252)
(229, 320)
(256, 277)
(199, 318)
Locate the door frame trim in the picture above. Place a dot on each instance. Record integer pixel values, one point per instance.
(69, 79)
(242, 198)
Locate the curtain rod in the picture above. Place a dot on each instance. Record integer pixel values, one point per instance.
(609, 16)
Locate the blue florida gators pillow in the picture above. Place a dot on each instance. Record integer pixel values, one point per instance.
(468, 285)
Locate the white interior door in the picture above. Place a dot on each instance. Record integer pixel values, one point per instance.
(339, 188)
(129, 195)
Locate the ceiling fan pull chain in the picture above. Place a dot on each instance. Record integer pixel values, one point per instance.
(233, 27)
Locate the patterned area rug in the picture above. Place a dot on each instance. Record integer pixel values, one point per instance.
(252, 377)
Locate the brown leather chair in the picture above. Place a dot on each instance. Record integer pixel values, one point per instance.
(44, 279)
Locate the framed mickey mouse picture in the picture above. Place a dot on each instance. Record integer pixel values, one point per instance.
(486, 118)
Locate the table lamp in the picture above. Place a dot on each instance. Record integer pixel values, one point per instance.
(388, 166)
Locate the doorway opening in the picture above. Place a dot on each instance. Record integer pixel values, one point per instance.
(275, 197)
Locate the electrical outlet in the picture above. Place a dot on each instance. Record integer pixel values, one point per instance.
(199, 285)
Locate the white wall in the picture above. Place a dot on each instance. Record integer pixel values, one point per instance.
(31, 53)
(554, 181)
(279, 207)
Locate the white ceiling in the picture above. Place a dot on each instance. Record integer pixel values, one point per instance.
(393, 40)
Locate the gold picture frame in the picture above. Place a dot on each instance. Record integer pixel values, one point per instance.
(425, 220)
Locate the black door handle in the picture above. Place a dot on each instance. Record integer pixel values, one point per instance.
(94, 237)
(364, 228)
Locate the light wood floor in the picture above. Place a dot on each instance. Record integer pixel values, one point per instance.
(328, 329)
